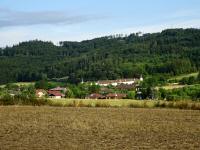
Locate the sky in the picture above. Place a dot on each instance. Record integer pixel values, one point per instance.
(77, 20)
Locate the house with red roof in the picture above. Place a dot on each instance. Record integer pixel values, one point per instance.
(95, 96)
(55, 94)
(116, 96)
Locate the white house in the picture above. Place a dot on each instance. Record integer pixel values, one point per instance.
(116, 82)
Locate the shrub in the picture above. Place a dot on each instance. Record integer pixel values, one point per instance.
(131, 95)
(39, 102)
(102, 104)
(134, 105)
(182, 105)
(7, 100)
(195, 106)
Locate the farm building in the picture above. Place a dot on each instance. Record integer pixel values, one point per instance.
(118, 82)
(126, 87)
(116, 96)
(55, 94)
(95, 96)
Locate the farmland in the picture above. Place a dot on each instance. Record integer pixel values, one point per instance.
(98, 128)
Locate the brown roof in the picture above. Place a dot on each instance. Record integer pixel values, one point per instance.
(116, 95)
(126, 87)
(96, 96)
(55, 93)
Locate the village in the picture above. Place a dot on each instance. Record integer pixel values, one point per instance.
(105, 89)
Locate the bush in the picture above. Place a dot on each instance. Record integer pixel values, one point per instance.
(7, 100)
(195, 106)
(39, 102)
(134, 105)
(22, 100)
(102, 104)
(131, 95)
(182, 105)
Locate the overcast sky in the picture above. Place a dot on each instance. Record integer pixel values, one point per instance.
(76, 20)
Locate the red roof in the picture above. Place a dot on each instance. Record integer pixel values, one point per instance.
(120, 96)
(96, 96)
(55, 93)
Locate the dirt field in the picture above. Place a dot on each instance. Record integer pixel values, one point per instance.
(98, 128)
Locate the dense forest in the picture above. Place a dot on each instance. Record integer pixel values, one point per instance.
(171, 52)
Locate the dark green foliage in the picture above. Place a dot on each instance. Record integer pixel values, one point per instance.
(198, 77)
(186, 93)
(20, 95)
(79, 91)
(7, 100)
(189, 80)
(42, 85)
(22, 100)
(131, 95)
(163, 94)
(69, 93)
(94, 88)
(171, 52)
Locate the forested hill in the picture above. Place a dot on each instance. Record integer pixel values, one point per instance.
(171, 52)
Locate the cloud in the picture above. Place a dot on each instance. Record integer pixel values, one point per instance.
(55, 26)
(9, 18)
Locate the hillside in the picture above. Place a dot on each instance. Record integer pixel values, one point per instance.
(171, 52)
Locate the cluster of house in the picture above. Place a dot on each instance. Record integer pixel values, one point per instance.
(56, 93)
(119, 82)
(59, 92)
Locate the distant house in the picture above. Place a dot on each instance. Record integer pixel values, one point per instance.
(116, 96)
(126, 87)
(55, 94)
(117, 82)
(40, 93)
(95, 96)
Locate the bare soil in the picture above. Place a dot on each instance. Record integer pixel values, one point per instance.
(54, 128)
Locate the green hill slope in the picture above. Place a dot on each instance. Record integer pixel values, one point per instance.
(171, 52)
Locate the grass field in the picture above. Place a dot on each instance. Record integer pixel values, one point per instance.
(20, 84)
(195, 74)
(123, 103)
(172, 86)
(98, 128)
